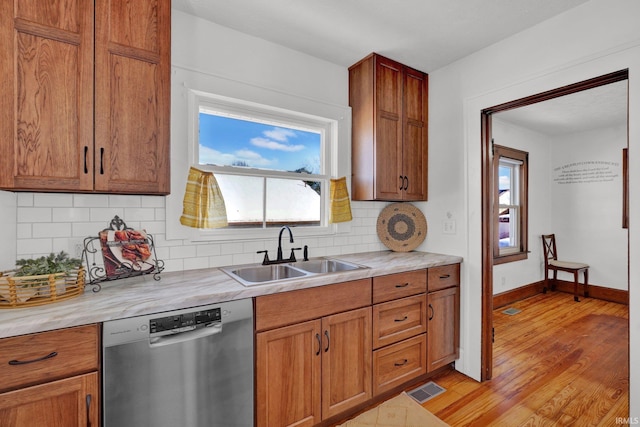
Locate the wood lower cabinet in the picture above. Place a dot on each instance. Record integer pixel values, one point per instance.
(69, 402)
(315, 369)
(399, 326)
(85, 102)
(443, 334)
(50, 378)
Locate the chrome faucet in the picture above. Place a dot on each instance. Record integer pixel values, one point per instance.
(279, 259)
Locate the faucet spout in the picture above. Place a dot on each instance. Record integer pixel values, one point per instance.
(284, 227)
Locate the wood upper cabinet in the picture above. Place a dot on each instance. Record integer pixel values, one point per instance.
(389, 135)
(74, 123)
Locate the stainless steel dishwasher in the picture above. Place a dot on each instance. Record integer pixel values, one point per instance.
(186, 368)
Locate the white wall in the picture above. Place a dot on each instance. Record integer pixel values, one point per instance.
(593, 39)
(586, 204)
(7, 230)
(513, 275)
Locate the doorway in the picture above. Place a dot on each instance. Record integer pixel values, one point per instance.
(488, 227)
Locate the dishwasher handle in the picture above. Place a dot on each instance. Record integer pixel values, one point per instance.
(211, 329)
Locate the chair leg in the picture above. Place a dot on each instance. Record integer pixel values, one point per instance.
(575, 286)
(586, 283)
(555, 280)
(546, 282)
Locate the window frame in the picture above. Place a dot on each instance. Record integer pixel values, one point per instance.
(266, 114)
(514, 156)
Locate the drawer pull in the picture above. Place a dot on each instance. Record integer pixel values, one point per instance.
(404, 362)
(24, 362)
(431, 309)
(319, 344)
(401, 320)
(402, 285)
(445, 276)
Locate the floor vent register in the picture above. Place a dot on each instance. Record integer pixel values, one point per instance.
(511, 311)
(426, 392)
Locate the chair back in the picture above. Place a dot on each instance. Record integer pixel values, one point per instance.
(549, 247)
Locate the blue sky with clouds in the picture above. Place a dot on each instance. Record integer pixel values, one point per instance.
(225, 140)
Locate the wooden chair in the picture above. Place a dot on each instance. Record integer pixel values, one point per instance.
(551, 262)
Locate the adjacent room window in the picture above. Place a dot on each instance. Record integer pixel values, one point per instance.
(510, 204)
(272, 165)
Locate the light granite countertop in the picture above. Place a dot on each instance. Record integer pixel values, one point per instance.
(175, 290)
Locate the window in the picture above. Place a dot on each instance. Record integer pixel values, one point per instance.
(272, 165)
(510, 204)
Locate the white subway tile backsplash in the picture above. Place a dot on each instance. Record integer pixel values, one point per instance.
(34, 214)
(51, 229)
(25, 199)
(52, 199)
(53, 222)
(139, 214)
(26, 248)
(90, 200)
(124, 201)
(71, 214)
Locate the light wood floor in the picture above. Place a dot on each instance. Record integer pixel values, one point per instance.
(557, 362)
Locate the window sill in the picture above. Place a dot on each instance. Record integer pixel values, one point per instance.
(519, 256)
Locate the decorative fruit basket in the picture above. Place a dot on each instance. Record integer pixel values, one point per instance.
(41, 281)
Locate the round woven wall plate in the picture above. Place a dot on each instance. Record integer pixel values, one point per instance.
(401, 227)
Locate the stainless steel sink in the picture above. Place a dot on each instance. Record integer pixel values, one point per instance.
(258, 274)
(325, 265)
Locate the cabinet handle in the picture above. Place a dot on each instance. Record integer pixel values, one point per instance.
(432, 312)
(326, 334)
(319, 344)
(86, 151)
(88, 410)
(402, 285)
(445, 276)
(404, 362)
(401, 182)
(406, 182)
(401, 320)
(102, 161)
(24, 362)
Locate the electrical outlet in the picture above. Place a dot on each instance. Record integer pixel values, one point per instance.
(449, 226)
(75, 248)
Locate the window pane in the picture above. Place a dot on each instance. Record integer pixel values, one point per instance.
(508, 228)
(243, 196)
(293, 202)
(229, 141)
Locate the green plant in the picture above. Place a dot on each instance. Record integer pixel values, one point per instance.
(60, 263)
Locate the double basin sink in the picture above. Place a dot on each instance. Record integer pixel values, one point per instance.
(258, 274)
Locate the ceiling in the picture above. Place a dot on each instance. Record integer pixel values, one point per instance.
(424, 34)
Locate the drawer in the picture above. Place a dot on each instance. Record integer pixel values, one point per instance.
(399, 363)
(396, 320)
(393, 286)
(37, 358)
(287, 308)
(443, 277)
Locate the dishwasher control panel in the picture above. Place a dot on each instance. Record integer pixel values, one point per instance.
(185, 321)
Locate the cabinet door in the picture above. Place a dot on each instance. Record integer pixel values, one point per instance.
(288, 363)
(443, 327)
(46, 96)
(69, 402)
(388, 133)
(346, 360)
(132, 67)
(415, 139)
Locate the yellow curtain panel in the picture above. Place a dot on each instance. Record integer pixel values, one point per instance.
(340, 205)
(203, 204)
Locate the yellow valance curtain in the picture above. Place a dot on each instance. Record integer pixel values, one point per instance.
(340, 205)
(203, 204)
